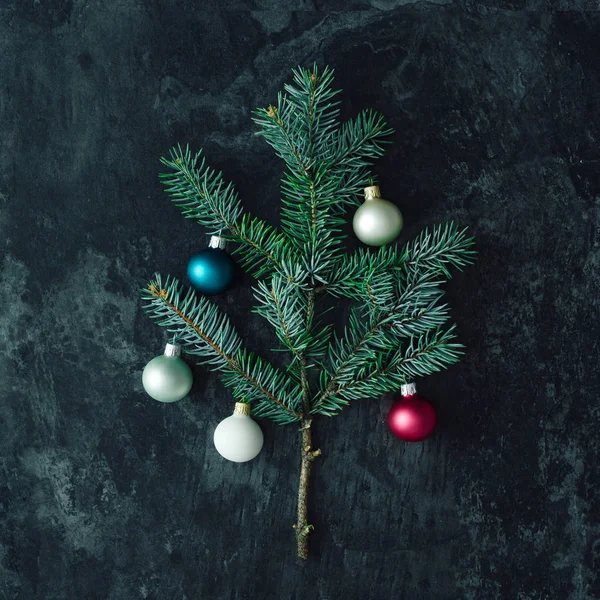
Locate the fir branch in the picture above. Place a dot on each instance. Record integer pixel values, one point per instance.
(386, 371)
(379, 327)
(284, 306)
(415, 309)
(264, 250)
(432, 253)
(327, 164)
(364, 339)
(301, 127)
(360, 141)
(209, 335)
(419, 320)
(313, 97)
(427, 354)
(307, 218)
(296, 129)
(350, 273)
(394, 334)
(201, 193)
(436, 250)
(278, 125)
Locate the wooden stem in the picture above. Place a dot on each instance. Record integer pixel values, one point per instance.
(302, 526)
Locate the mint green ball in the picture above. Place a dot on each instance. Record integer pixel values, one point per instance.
(167, 378)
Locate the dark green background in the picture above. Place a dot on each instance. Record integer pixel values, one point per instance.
(105, 493)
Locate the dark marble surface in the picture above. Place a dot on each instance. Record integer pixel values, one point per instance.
(107, 494)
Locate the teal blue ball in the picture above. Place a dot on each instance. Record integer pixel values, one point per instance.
(211, 271)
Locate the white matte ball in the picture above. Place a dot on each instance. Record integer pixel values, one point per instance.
(167, 378)
(238, 438)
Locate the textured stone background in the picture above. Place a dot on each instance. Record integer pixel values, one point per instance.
(107, 494)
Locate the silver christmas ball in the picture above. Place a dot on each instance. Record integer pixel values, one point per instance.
(377, 222)
(167, 378)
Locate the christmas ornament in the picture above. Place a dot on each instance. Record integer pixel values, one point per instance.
(238, 438)
(167, 378)
(377, 221)
(211, 271)
(412, 418)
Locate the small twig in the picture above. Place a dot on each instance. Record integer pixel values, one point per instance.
(302, 526)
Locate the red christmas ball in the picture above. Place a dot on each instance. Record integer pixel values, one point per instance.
(412, 418)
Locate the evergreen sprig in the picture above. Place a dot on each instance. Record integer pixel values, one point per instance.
(284, 306)
(398, 327)
(397, 288)
(431, 252)
(206, 333)
(326, 164)
(202, 194)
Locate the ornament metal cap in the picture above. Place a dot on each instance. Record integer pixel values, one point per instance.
(242, 408)
(408, 389)
(173, 350)
(372, 191)
(216, 241)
